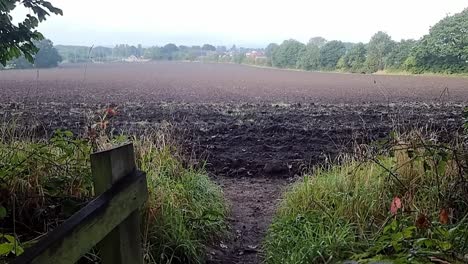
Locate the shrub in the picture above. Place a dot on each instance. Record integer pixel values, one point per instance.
(406, 204)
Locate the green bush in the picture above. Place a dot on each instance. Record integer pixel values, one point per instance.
(408, 205)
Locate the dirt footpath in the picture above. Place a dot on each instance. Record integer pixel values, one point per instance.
(253, 203)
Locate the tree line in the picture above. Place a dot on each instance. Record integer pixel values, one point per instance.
(169, 51)
(443, 50)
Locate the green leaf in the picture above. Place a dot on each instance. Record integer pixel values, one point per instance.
(3, 212)
(5, 249)
(10, 239)
(441, 167)
(444, 245)
(408, 232)
(17, 250)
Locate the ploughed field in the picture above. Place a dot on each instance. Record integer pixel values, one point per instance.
(256, 127)
(246, 121)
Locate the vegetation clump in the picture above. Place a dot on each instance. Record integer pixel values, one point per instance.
(405, 204)
(44, 181)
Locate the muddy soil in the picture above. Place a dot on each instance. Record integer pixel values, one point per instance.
(252, 140)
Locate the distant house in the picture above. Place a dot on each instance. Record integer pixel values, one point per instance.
(255, 54)
(134, 58)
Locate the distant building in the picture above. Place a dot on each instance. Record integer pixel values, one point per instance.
(255, 54)
(134, 58)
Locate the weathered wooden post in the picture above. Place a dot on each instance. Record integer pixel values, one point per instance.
(123, 244)
(111, 220)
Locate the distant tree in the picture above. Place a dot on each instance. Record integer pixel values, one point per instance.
(47, 56)
(239, 57)
(330, 53)
(208, 47)
(445, 48)
(349, 45)
(317, 41)
(100, 53)
(310, 58)
(17, 39)
(183, 48)
(139, 50)
(221, 49)
(233, 48)
(132, 50)
(380, 45)
(269, 50)
(153, 53)
(400, 52)
(169, 50)
(20, 63)
(354, 60)
(288, 54)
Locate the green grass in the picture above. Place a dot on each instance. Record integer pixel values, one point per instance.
(186, 209)
(343, 212)
(402, 72)
(184, 213)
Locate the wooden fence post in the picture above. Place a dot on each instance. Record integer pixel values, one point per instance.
(123, 244)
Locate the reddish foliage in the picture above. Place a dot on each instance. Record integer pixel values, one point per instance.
(395, 205)
(111, 112)
(422, 222)
(444, 216)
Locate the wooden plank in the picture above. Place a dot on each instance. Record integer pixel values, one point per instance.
(77, 235)
(110, 165)
(123, 244)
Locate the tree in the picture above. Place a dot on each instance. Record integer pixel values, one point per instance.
(208, 47)
(310, 58)
(380, 45)
(47, 56)
(221, 49)
(400, 52)
(330, 53)
(288, 54)
(317, 41)
(153, 53)
(354, 60)
(169, 50)
(445, 48)
(269, 50)
(233, 48)
(17, 40)
(239, 57)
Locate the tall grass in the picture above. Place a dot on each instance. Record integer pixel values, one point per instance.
(185, 210)
(43, 181)
(344, 212)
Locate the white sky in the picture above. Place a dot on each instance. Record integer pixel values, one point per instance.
(252, 23)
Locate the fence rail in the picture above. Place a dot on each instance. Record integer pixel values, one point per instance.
(111, 221)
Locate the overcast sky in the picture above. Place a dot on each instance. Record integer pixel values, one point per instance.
(243, 22)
